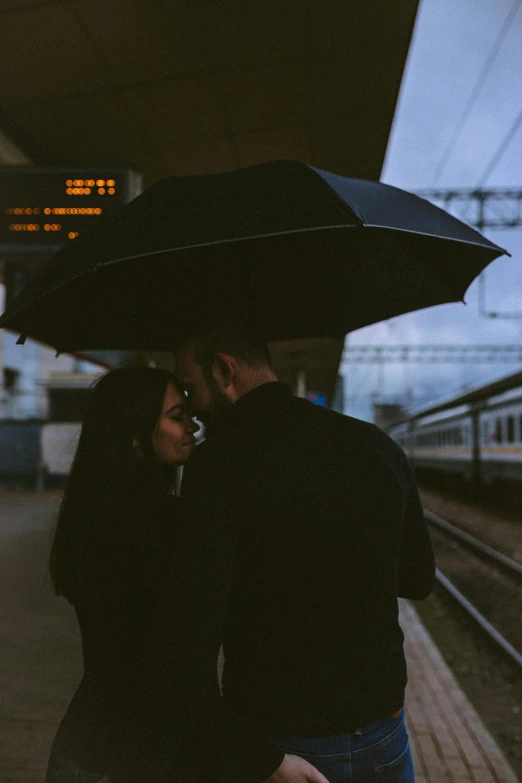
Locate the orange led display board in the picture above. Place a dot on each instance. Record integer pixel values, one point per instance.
(42, 208)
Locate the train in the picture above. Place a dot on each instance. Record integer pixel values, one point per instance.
(476, 437)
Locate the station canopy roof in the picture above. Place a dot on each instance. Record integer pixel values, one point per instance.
(199, 87)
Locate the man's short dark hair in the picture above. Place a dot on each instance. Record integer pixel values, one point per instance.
(233, 337)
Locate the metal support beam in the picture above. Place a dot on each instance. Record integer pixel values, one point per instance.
(433, 354)
(492, 208)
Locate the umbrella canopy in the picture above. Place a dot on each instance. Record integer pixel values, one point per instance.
(298, 251)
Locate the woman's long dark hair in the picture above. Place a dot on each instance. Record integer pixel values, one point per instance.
(114, 476)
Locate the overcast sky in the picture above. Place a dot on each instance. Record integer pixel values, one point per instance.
(451, 44)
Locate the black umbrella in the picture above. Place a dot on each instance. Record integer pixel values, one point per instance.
(299, 251)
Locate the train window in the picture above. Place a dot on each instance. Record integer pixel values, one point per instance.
(498, 430)
(520, 428)
(485, 432)
(510, 429)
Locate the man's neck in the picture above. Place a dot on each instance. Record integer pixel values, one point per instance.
(249, 384)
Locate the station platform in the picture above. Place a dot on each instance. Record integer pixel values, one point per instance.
(449, 742)
(40, 658)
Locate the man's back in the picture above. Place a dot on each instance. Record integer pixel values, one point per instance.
(330, 531)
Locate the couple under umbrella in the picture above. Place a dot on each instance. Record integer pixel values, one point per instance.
(297, 528)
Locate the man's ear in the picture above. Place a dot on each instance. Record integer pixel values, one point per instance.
(224, 369)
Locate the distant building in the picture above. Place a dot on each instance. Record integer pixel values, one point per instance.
(26, 370)
(384, 416)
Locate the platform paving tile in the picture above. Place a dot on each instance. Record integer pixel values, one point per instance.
(450, 744)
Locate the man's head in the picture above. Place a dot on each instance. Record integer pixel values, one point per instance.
(219, 363)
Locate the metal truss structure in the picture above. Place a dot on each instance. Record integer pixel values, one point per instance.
(433, 354)
(496, 208)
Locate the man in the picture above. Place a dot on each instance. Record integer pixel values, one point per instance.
(302, 528)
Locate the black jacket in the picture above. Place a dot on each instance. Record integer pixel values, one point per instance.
(300, 527)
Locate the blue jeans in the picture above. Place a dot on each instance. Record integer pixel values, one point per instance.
(60, 770)
(376, 753)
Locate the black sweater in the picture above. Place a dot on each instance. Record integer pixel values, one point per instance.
(300, 527)
(114, 615)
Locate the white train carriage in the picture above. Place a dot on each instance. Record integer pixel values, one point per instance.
(480, 439)
(500, 423)
(443, 442)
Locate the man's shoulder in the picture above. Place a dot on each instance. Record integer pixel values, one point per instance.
(341, 421)
(300, 416)
(357, 432)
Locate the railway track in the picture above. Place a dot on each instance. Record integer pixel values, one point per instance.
(489, 554)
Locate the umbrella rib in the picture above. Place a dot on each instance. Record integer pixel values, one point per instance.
(435, 236)
(224, 242)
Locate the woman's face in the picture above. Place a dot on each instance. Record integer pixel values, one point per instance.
(173, 438)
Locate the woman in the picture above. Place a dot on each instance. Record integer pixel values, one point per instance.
(112, 543)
